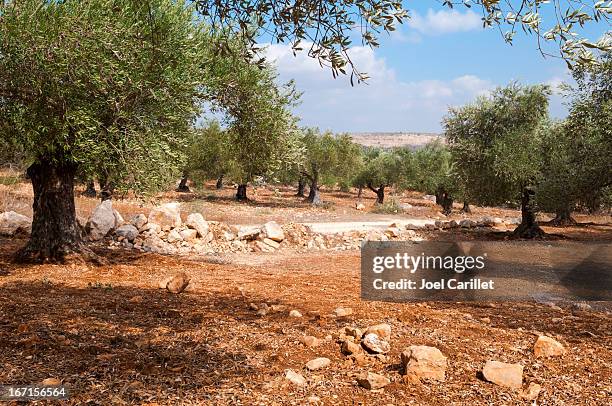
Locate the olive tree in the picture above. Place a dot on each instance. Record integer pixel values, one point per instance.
(495, 146)
(350, 161)
(430, 170)
(207, 154)
(382, 169)
(320, 160)
(576, 152)
(261, 127)
(92, 83)
(327, 28)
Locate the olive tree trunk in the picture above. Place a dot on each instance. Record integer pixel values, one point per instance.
(563, 217)
(219, 184)
(241, 193)
(444, 199)
(529, 227)
(182, 187)
(301, 187)
(91, 189)
(106, 187)
(314, 196)
(466, 207)
(56, 235)
(380, 193)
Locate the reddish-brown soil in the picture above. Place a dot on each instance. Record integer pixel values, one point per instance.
(114, 337)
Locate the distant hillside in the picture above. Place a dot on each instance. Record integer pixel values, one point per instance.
(390, 140)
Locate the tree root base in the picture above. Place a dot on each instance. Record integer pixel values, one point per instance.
(316, 201)
(563, 222)
(528, 231)
(67, 254)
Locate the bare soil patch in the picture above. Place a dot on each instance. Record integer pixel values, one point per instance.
(115, 338)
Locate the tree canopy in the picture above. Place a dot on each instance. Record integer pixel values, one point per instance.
(576, 152)
(327, 28)
(495, 147)
(99, 83)
(84, 85)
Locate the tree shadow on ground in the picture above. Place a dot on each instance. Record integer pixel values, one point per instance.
(557, 271)
(578, 326)
(117, 344)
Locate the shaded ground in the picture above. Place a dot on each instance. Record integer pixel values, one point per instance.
(110, 334)
(116, 339)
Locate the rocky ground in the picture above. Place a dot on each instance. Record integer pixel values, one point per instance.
(286, 329)
(263, 309)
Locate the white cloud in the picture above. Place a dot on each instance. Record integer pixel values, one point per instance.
(385, 103)
(556, 83)
(411, 37)
(444, 21)
(472, 84)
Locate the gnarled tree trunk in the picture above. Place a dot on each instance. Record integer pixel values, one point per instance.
(360, 191)
(444, 199)
(241, 193)
(56, 235)
(380, 193)
(563, 218)
(182, 187)
(466, 207)
(219, 184)
(314, 197)
(91, 189)
(529, 227)
(106, 188)
(301, 187)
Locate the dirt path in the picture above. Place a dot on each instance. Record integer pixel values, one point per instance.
(347, 226)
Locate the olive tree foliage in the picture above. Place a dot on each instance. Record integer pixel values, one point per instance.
(327, 28)
(495, 146)
(350, 161)
(382, 169)
(12, 155)
(208, 153)
(360, 179)
(430, 170)
(320, 160)
(92, 84)
(576, 152)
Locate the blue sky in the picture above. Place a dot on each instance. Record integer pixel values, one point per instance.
(440, 58)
